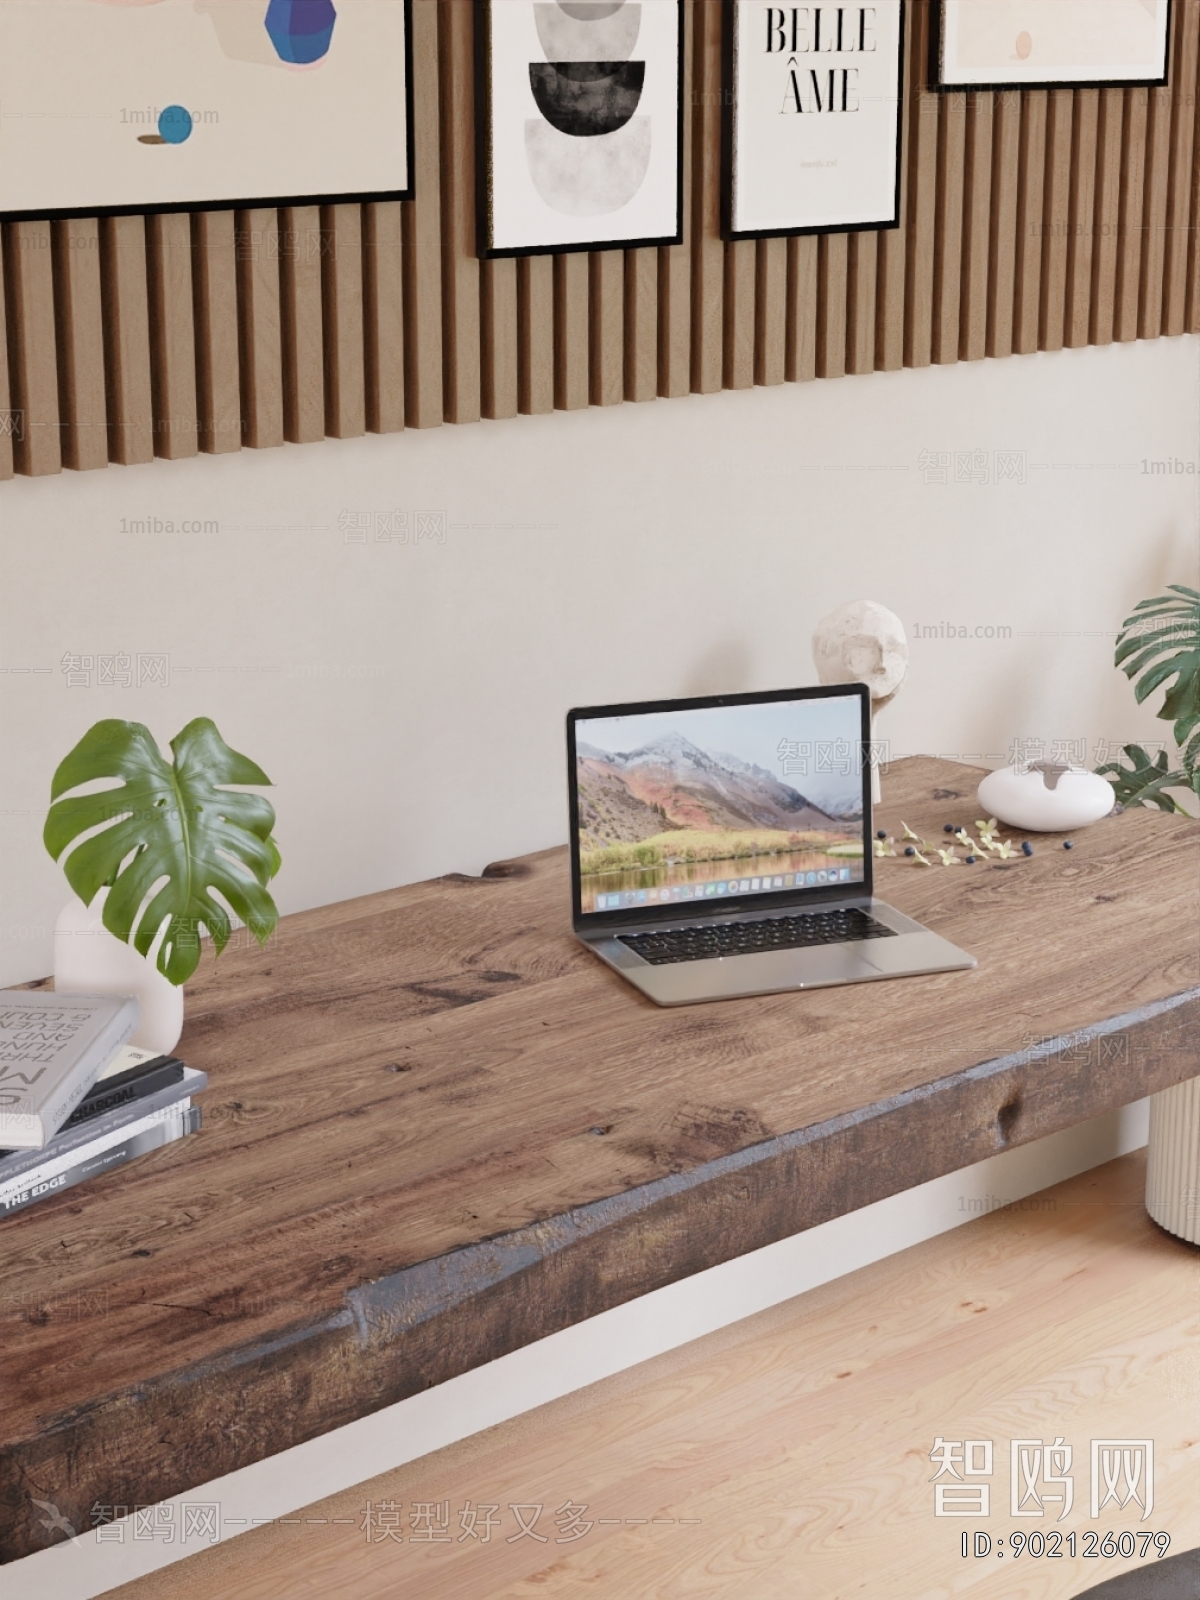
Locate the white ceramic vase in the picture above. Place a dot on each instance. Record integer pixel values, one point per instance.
(90, 960)
(1173, 1166)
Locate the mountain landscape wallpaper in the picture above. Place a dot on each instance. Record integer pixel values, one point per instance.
(672, 817)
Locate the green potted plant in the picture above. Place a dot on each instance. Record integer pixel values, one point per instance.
(168, 848)
(1161, 641)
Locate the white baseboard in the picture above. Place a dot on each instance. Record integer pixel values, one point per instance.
(278, 1486)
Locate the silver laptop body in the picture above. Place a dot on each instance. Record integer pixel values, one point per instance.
(709, 836)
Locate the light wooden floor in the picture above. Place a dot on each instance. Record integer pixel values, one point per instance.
(789, 1455)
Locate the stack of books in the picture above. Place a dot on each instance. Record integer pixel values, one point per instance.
(75, 1099)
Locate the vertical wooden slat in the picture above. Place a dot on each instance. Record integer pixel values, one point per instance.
(1133, 194)
(708, 249)
(572, 386)
(977, 213)
(641, 324)
(535, 334)
(1192, 306)
(498, 338)
(215, 311)
(741, 267)
(172, 335)
(922, 199)
(1006, 170)
(423, 233)
(675, 261)
(1082, 227)
(1031, 191)
(32, 353)
(259, 341)
(1154, 223)
(862, 272)
(1183, 134)
(79, 342)
(125, 299)
(832, 261)
(1056, 218)
(892, 249)
(342, 309)
(948, 228)
(801, 355)
(606, 332)
(770, 311)
(383, 315)
(460, 266)
(1109, 140)
(301, 319)
(7, 418)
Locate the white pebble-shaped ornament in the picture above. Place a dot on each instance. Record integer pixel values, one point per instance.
(1046, 797)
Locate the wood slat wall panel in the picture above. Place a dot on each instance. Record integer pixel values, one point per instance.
(460, 265)
(32, 347)
(800, 361)
(1006, 182)
(1183, 132)
(770, 311)
(302, 323)
(7, 421)
(498, 336)
(125, 305)
(1131, 225)
(383, 315)
(1110, 134)
(79, 343)
(948, 228)
(1082, 230)
(606, 318)
(641, 324)
(977, 213)
(342, 308)
(535, 334)
(172, 336)
(260, 348)
(423, 336)
(862, 272)
(1029, 220)
(215, 317)
(924, 117)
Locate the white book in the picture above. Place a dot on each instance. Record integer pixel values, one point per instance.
(113, 1150)
(52, 1049)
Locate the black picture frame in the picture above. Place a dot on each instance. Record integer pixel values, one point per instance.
(729, 102)
(255, 202)
(939, 85)
(484, 249)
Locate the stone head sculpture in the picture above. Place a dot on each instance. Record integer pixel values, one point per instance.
(863, 642)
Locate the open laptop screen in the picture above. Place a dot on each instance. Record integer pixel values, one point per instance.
(715, 801)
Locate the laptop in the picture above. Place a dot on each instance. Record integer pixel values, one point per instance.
(723, 847)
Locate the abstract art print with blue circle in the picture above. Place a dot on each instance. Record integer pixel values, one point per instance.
(579, 124)
(137, 105)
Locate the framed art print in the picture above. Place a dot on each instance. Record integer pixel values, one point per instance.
(812, 117)
(1017, 44)
(580, 124)
(139, 105)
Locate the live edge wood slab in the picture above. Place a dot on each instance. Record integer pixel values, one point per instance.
(437, 1129)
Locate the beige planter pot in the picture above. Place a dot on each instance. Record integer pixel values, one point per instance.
(1173, 1170)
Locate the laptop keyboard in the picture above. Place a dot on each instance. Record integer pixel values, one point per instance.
(751, 938)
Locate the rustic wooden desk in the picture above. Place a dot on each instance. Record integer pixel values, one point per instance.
(437, 1129)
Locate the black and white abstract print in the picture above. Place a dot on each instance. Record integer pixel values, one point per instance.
(582, 124)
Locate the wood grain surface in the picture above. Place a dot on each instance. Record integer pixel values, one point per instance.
(1029, 219)
(788, 1455)
(438, 1129)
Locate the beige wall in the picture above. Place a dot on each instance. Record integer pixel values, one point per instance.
(407, 698)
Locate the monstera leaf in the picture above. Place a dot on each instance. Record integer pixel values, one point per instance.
(1161, 640)
(166, 838)
(1147, 780)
